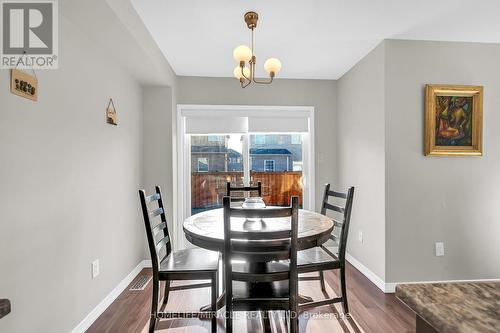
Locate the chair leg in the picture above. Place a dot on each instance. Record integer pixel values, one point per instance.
(322, 281)
(344, 289)
(154, 306)
(294, 322)
(167, 291)
(229, 321)
(213, 295)
(266, 321)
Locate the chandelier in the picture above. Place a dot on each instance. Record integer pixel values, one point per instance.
(243, 54)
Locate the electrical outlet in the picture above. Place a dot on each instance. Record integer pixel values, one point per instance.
(95, 268)
(360, 236)
(439, 249)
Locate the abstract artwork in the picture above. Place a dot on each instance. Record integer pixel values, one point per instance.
(453, 120)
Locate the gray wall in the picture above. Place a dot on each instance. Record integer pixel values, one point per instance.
(318, 93)
(69, 180)
(158, 145)
(361, 156)
(69, 188)
(450, 199)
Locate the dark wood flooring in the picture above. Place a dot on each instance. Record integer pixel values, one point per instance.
(371, 311)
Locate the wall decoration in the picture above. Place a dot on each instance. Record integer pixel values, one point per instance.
(23, 84)
(111, 113)
(453, 120)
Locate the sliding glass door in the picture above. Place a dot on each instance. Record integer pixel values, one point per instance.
(276, 161)
(215, 160)
(273, 159)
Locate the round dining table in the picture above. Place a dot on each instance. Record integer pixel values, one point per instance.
(206, 230)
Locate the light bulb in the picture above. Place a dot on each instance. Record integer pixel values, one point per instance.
(237, 72)
(272, 65)
(242, 53)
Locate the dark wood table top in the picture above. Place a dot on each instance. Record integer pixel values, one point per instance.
(206, 229)
(456, 307)
(4, 307)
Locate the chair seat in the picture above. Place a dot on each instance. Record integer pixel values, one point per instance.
(260, 296)
(315, 259)
(190, 260)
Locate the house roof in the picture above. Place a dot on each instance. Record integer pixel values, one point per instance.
(270, 151)
(215, 149)
(234, 153)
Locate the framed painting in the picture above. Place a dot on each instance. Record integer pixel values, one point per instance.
(453, 120)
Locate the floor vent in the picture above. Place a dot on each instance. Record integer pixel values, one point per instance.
(141, 282)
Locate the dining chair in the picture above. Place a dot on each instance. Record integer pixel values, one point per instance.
(331, 254)
(169, 265)
(261, 267)
(230, 189)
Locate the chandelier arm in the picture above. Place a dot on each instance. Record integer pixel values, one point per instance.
(263, 82)
(243, 73)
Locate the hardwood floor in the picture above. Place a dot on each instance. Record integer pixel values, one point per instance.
(371, 311)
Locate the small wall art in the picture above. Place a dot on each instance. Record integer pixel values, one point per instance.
(23, 84)
(454, 120)
(111, 113)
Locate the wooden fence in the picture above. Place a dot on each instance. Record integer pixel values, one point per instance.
(208, 188)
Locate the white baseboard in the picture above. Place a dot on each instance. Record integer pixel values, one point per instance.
(390, 287)
(374, 278)
(103, 305)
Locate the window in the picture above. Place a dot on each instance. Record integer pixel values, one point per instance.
(269, 165)
(278, 165)
(213, 164)
(296, 139)
(202, 164)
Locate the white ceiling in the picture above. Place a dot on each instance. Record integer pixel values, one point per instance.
(320, 39)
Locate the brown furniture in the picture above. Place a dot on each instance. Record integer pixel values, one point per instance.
(331, 254)
(454, 307)
(168, 265)
(263, 276)
(4, 307)
(242, 189)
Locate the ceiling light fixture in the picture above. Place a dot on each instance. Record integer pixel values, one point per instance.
(243, 54)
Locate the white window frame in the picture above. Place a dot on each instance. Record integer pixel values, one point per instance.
(182, 156)
(274, 165)
(208, 164)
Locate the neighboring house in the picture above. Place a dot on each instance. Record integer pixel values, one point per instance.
(215, 159)
(222, 159)
(269, 160)
(268, 153)
(291, 142)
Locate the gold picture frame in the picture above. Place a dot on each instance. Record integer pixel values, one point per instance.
(453, 120)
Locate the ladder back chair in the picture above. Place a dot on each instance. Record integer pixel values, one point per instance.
(239, 189)
(169, 265)
(331, 254)
(261, 267)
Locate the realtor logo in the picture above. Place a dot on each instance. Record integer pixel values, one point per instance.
(29, 34)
